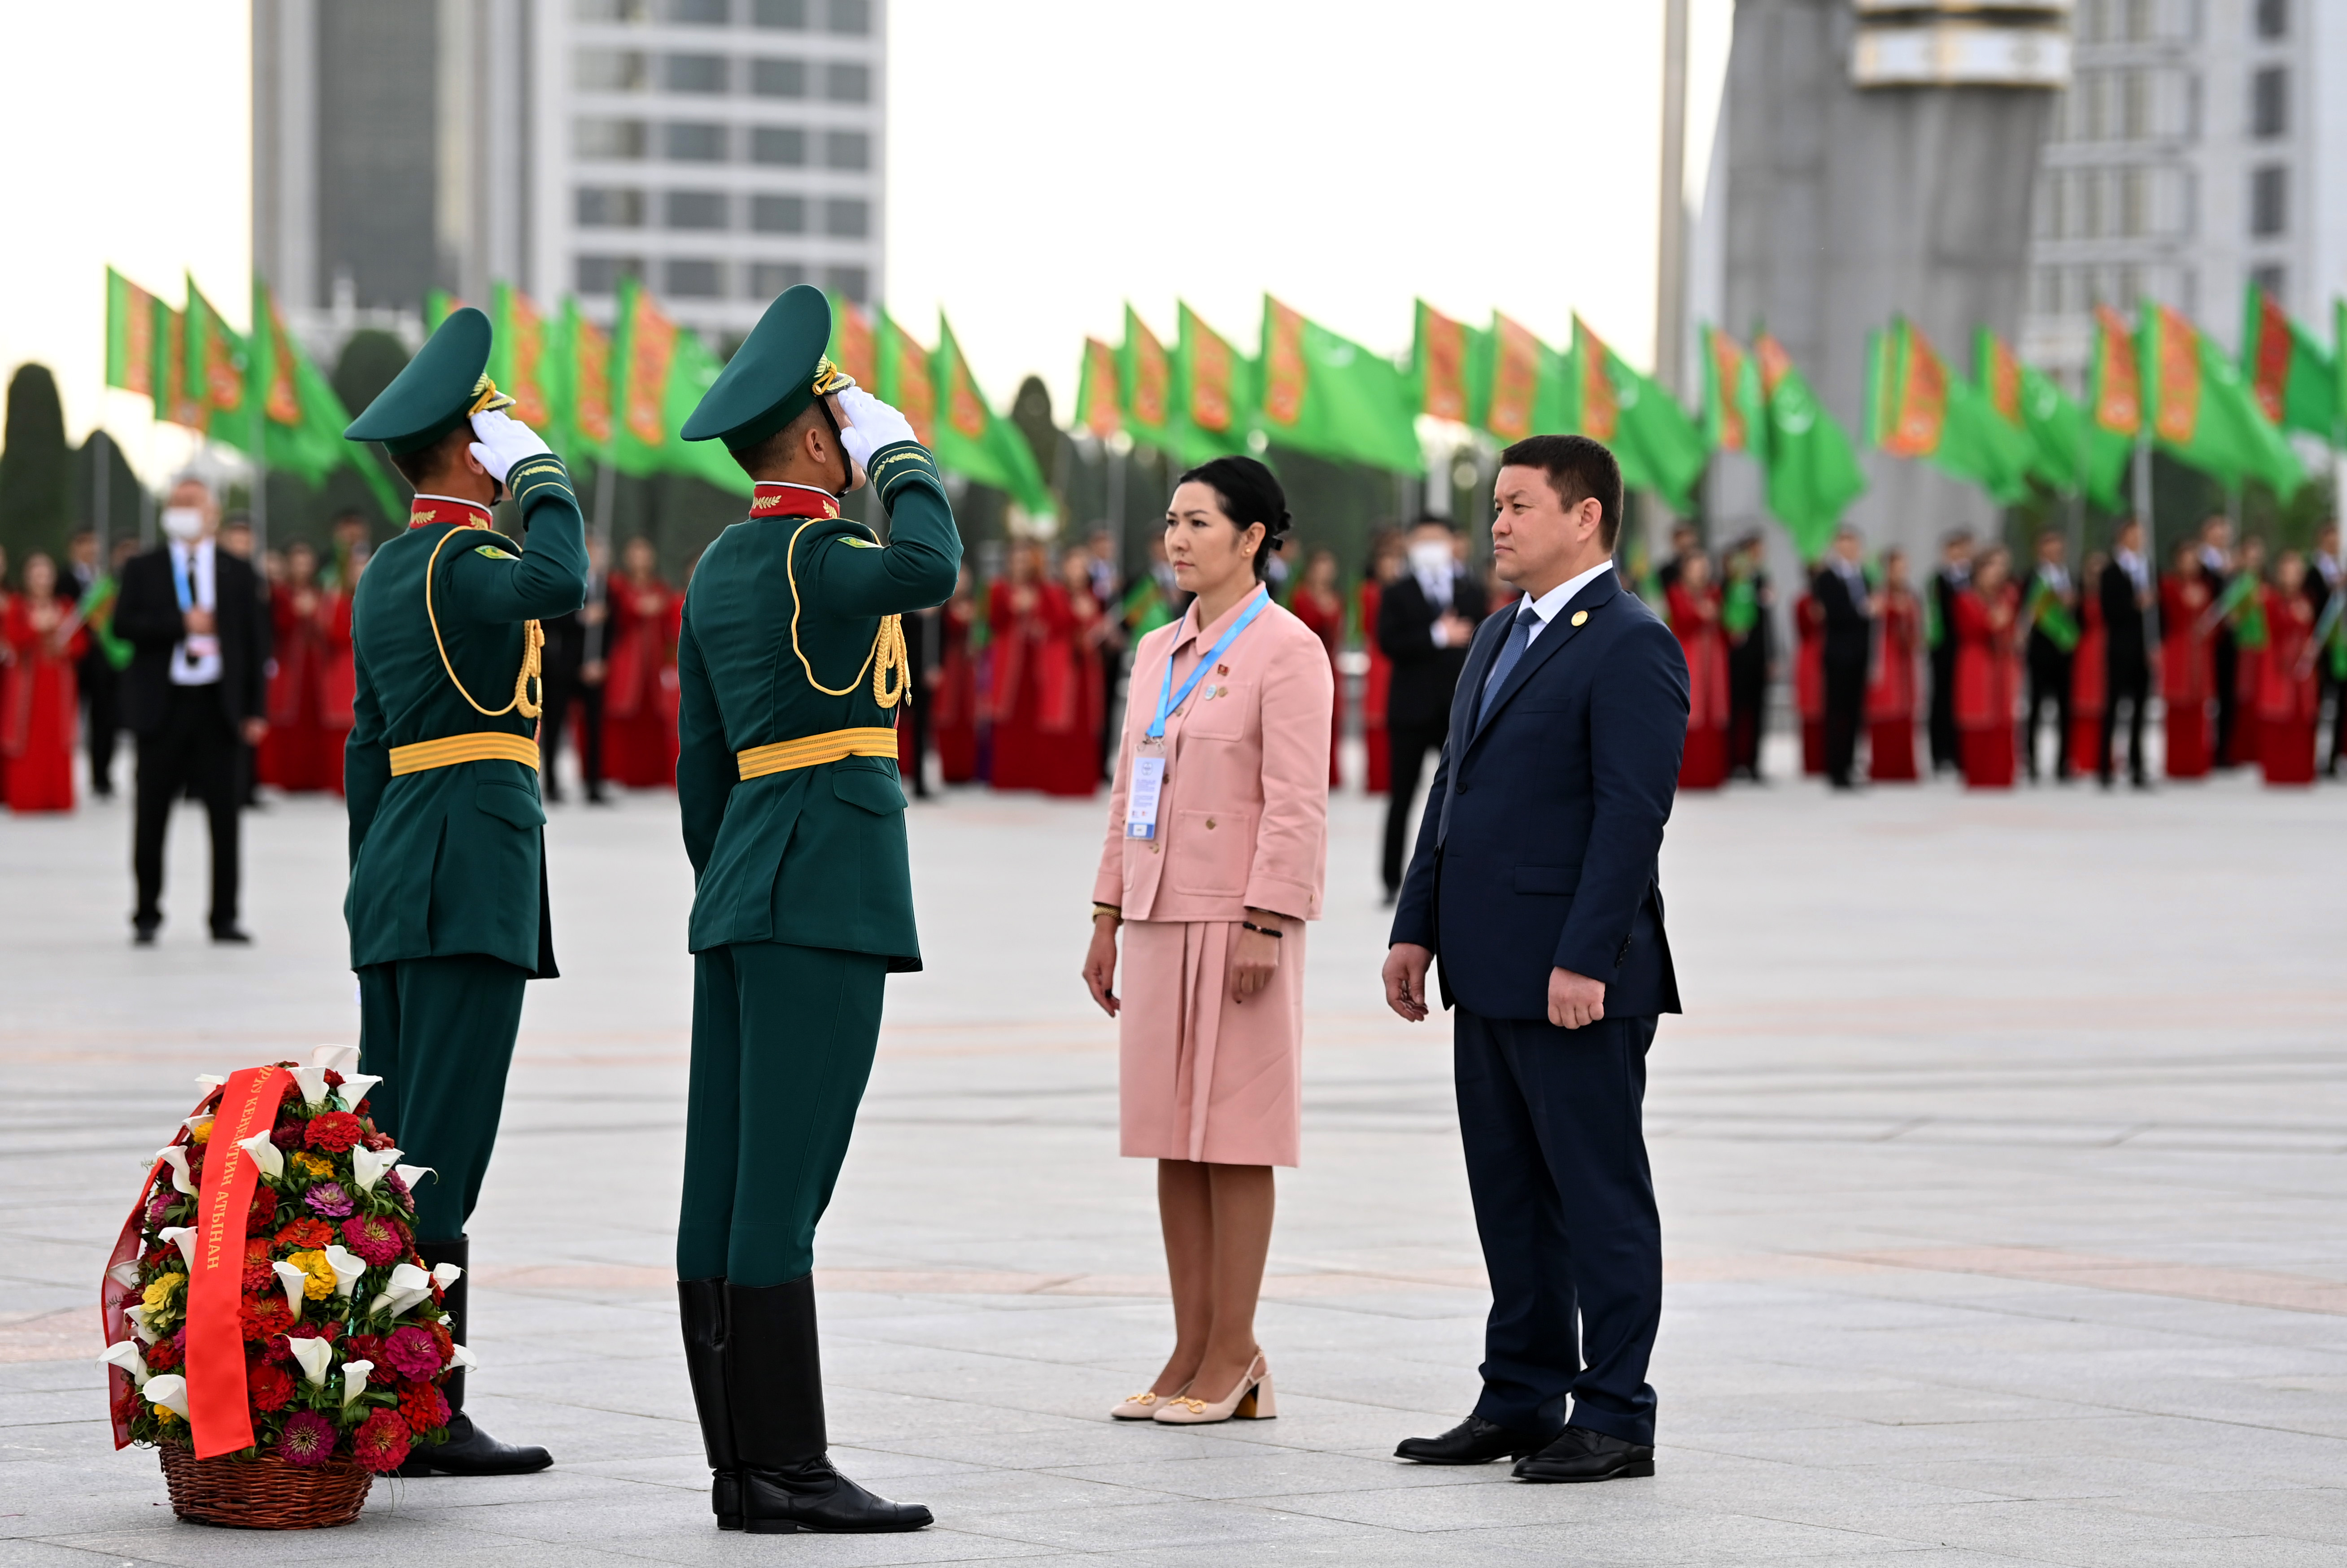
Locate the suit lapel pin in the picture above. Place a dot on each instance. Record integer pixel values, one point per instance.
(1580, 615)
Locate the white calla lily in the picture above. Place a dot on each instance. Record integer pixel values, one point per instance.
(458, 1356)
(444, 1274)
(125, 1274)
(347, 1266)
(409, 1284)
(265, 1154)
(355, 1377)
(412, 1174)
(341, 1058)
(368, 1165)
(198, 1122)
(137, 1318)
(170, 1391)
(208, 1081)
(315, 1356)
(124, 1353)
(184, 1238)
(356, 1087)
(176, 1156)
(294, 1283)
(312, 1083)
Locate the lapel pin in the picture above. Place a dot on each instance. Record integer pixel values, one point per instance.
(1580, 615)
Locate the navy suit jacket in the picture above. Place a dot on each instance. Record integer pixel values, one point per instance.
(1540, 845)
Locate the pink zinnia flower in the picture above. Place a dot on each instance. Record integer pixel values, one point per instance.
(309, 1439)
(328, 1198)
(378, 1240)
(411, 1353)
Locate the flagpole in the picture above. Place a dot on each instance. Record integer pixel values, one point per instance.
(2151, 658)
(101, 496)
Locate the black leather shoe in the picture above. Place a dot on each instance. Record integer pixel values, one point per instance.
(1580, 1454)
(142, 936)
(1473, 1442)
(472, 1451)
(810, 1497)
(232, 936)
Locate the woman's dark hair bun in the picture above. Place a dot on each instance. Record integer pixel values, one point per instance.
(1250, 493)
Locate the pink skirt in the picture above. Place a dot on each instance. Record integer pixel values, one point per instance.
(1202, 1077)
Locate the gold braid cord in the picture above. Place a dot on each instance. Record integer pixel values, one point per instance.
(533, 642)
(890, 664)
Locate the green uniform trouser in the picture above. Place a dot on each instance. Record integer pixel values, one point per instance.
(783, 1040)
(440, 1032)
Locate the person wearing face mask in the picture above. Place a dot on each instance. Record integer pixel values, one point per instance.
(1426, 617)
(195, 695)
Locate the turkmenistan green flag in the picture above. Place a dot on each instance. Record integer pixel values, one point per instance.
(1917, 407)
(974, 440)
(1100, 391)
(523, 360)
(901, 378)
(2029, 401)
(1450, 368)
(303, 413)
(1145, 373)
(581, 381)
(1530, 390)
(439, 305)
(1330, 397)
(1657, 446)
(1214, 388)
(1813, 472)
(661, 371)
(133, 341)
(690, 375)
(213, 373)
(2295, 381)
(2202, 413)
(2114, 409)
(1735, 419)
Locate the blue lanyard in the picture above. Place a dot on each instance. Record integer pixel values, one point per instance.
(183, 579)
(1170, 699)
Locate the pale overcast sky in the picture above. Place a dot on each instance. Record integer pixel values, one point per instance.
(1048, 159)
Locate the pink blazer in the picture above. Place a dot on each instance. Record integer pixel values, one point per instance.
(1243, 815)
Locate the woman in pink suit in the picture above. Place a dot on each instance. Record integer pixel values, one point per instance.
(1212, 881)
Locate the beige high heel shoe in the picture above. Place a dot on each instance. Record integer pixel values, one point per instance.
(1144, 1405)
(1252, 1400)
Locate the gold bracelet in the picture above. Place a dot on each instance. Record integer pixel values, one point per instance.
(1111, 910)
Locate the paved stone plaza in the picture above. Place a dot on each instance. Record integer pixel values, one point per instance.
(2001, 1153)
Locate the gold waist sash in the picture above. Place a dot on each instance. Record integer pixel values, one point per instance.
(485, 746)
(814, 750)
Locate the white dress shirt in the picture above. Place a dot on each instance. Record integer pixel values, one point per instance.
(196, 662)
(2132, 563)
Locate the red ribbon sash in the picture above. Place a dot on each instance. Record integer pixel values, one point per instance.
(775, 500)
(220, 1411)
(113, 1296)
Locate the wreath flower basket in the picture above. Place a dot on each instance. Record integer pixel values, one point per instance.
(270, 1327)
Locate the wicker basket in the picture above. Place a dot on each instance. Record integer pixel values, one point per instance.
(263, 1493)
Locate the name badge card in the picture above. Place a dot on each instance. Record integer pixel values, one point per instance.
(1141, 804)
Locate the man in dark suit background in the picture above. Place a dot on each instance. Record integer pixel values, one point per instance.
(1535, 881)
(1954, 576)
(575, 667)
(196, 694)
(2126, 593)
(1842, 595)
(1426, 617)
(2052, 601)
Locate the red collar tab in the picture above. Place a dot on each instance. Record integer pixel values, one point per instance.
(776, 499)
(440, 509)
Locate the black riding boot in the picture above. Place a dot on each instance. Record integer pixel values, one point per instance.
(774, 1372)
(469, 1451)
(701, 1304)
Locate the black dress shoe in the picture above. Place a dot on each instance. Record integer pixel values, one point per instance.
(234, 937)
(142, 936)
(472, 1451)
(810, 1497)
(1580, 1454)
(1473, 1442)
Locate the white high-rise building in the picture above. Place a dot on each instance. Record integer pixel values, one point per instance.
(2201, 146)
(720, 151)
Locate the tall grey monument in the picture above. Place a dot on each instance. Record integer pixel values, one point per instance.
(1874, 157)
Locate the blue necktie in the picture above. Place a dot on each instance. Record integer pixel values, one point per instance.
(1519, 637)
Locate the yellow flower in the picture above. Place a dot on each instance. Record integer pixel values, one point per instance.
(165, 1414)
(200, 1133)
(321, 1283)
(160, 1292)
(311, 1165)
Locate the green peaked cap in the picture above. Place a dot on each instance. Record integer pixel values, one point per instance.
(779, 369)
(445, 384)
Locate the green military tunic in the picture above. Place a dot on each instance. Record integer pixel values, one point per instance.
(803, 893)
(447, 904)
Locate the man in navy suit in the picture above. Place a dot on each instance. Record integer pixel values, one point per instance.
(1535, 881)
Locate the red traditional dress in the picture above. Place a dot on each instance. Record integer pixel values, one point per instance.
(1046, 717)
(953, 702)
(1326, 620)
(1695, 621)
(38, 715)
(1891, 695)
(2187, 675)
(7, 684)
(639, 686)
(1987, 677)
(309, 692)
(2090, 680)
(1809, 681)
(2287, 700)
(1374, 689)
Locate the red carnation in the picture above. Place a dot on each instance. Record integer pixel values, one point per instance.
(266, 1316)
(306, 1235)
(423, 1407)
(334, 1133)
(271, 1386)
(381, 1442)
(163, 1354)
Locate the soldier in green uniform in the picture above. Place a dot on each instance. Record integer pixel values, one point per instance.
(791, 666)
(447, 906)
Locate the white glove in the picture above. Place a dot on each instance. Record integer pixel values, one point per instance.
(871, 425)
(504, 442)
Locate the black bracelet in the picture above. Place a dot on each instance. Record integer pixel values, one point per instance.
(1265, 930)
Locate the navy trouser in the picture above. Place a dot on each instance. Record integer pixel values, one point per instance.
(440, 1033)
(1565, 1203)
